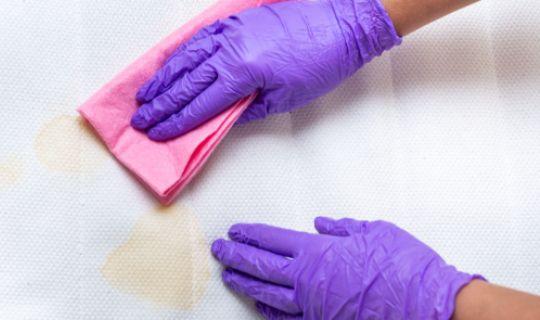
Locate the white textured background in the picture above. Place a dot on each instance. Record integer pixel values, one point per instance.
(440, 136)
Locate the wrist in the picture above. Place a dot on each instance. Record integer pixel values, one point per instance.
(439, 290)
(448, 298)
(409, 16)
(470, 300)
(480, 300)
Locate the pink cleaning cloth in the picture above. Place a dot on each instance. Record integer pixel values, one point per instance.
(164, 167)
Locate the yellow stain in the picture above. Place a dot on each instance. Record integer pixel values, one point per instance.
(10, 172)
(165, 259)
(68, 144)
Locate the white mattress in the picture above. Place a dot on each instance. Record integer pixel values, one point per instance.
(440, 136)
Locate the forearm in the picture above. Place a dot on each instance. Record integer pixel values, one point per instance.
(480, 300)
(409, 15)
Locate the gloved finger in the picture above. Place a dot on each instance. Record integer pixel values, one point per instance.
(281, 298)
(211, 102)
(258, 263)
(281, 241)
(342, 227)
(178, 96)
(177, 66)
(271, 313)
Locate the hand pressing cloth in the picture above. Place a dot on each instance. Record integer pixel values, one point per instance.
(332, 39)
(164, 167)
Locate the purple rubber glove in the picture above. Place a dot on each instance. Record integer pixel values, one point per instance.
(350, 270)
(291, 52)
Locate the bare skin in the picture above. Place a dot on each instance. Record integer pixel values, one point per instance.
(480, 300)
(409, 16)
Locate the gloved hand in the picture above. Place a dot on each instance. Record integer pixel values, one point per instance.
(350, 270)
(291, 52)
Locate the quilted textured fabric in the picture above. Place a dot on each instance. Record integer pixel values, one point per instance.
(440, 136)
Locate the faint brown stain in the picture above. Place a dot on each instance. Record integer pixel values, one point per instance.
(11, 171)
(165, 259)
(68, 144)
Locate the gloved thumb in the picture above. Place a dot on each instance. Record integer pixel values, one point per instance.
(274, 314)
(266, 103)
(255, 111)
(342, 227)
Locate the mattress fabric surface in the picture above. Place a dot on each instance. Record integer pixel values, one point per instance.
(440, 136)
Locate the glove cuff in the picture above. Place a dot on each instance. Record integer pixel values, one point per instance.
(447, 287)
(370, 26)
